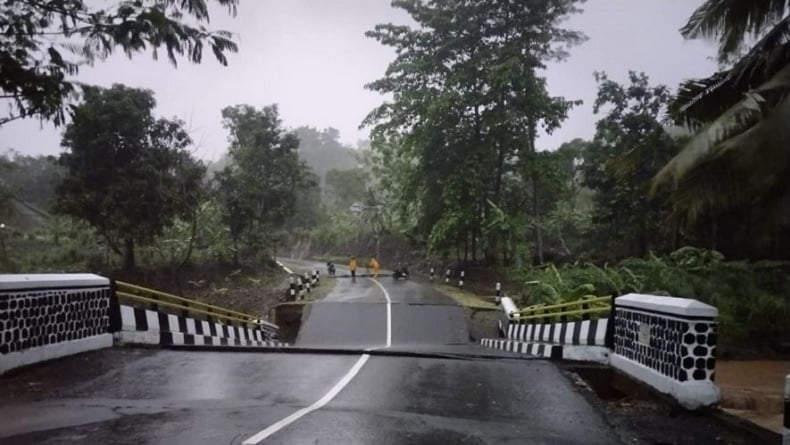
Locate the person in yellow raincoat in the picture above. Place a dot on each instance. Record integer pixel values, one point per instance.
(352, 266)
(375, 266)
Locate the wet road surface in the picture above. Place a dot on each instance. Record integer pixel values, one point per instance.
(358, 313)
(447, 394)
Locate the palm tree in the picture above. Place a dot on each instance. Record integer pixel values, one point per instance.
(741, 115)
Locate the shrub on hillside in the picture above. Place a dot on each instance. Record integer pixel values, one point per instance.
(753, 298)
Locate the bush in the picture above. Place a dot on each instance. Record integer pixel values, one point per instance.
(753, 298)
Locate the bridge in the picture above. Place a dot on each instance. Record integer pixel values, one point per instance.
(375, 361)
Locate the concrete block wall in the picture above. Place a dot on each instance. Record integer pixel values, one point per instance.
(665, 342)
(46, 316)
(670, 344)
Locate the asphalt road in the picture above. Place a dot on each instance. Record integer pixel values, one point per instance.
(359, 314)
(339, 394)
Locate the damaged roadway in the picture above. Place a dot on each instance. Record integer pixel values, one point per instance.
(421, 382)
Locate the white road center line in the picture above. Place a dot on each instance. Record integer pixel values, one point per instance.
(317, 405)
(335, 389)
(285, 268)
(389, 313)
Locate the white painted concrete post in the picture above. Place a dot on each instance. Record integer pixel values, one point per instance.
(461, 281)
(27, 299)
(498, 289)
(431, 273)
(508, 306)
(447, 277)
(786, 423)
(668, 343)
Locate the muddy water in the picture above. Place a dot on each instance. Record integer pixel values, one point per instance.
(763, 376)
(753, 390)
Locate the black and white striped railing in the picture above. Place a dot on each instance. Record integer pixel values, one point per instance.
(534, 349)
(584, 332)
(584, 340)
(144, 326)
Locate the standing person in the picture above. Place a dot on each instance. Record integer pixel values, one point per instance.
(375, 266)
(352, 265)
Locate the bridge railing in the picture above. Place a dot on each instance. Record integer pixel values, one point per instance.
(154, 299)
(582, 308)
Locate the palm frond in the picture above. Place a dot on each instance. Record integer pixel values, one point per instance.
(731, 22)
(720, 135)
(744, 168)
(703, 100)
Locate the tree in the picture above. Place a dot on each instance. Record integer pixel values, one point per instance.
(630, 146)
(32, 179)
(346, 187)
(739, 116)
(308, 210)
(43, 42)
(732, 22)
(127, 173)
(323, 151)
(468, 102)
(6, 189)
(258, 189)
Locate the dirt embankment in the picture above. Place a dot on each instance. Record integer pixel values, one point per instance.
(290, 314)
(244, 289)
(262, 291)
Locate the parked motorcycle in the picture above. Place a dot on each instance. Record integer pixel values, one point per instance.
(400, 272)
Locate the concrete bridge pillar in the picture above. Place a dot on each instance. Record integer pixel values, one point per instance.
(670, 344)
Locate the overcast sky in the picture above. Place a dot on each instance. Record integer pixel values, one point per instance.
(312, 58)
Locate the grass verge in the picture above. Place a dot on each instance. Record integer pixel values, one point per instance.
(467, 299)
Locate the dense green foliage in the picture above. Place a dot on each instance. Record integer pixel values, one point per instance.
(753, 298)
(468, 101)
(258, 190)
(127, 174)
(453, 174)
(345, 187)
(730, 179)
(43, 43)
(31, 178)
(323, 151)
(630, 146)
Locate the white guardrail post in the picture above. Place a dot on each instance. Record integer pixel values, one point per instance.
(508, 306)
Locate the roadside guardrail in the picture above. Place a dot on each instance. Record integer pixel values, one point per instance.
(582, 307)
(154, 299)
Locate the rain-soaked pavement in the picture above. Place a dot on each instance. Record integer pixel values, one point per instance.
(440, 390)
